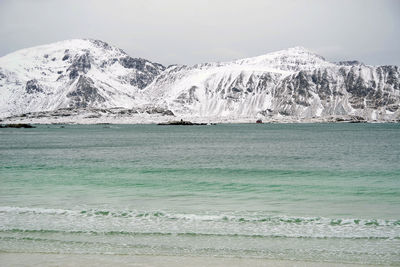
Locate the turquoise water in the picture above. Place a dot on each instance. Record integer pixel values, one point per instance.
(325, 192)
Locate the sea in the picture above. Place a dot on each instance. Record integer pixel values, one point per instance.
(307, 192)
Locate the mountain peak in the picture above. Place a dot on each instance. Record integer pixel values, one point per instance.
(297, 51)
(291, 59)
(300, 49)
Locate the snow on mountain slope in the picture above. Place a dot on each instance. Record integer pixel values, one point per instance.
(292, 59)
(74, 73)
(294, 84)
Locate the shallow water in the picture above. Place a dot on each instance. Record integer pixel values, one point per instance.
(323, 192)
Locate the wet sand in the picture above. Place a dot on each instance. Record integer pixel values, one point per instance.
(47, 259)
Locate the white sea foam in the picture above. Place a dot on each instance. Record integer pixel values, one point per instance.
(25, 218)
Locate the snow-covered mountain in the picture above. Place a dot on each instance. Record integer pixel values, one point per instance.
(72, 74)
(293, 84)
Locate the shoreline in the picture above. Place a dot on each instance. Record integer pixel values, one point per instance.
(167, 120)
(4, 124)
(128, 116)
(54, 259)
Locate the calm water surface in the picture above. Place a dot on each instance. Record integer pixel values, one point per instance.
(325, 192)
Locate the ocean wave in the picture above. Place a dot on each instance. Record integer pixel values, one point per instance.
(237, 218)
(188, 234)
(364, 240)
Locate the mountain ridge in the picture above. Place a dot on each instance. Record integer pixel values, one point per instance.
(291, 84)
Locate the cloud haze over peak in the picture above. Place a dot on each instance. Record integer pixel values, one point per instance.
(189, 32)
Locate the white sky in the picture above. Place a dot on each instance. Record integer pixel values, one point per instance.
(189, 32)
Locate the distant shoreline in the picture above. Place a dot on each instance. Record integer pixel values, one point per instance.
(88, 118)
(32, 124)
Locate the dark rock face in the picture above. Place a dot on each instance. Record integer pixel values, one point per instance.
(141, 80)
(189, 97)
(86, 113)
(159, 110)
(2, 76)
(146, 71)
(66, 55)
(364, 92)
(85, 94)
(265, 79)
(168, 113)
(101, 44)
(32, 86)
(369, 93)
(234, 88)
(295, 89)
(349, 63)
(325, 85)
(17, 125)
(140, 64)
(108, 62)
(80, 65)
(301, 88)
(392, 75)
(355, 85)
(181, 122)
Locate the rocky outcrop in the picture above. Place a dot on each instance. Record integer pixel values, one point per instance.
(16, 125)
(80, 65)
(32, 86)
(85, 94)
(146, 71)
(181, 122)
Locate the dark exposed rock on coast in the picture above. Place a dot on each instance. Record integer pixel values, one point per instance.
(181, 122)
(16, 125)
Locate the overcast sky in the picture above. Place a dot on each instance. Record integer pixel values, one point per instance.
(189, 32)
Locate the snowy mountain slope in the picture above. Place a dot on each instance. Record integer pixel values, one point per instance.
(75, 73)
(293, 84)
